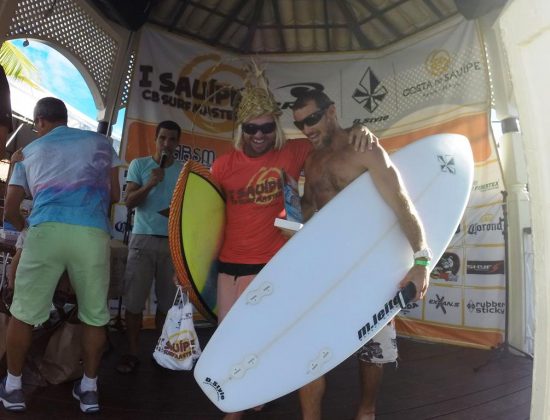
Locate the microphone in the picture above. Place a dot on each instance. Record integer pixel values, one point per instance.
(163, 159)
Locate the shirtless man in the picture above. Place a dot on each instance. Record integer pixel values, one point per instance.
(331, 166)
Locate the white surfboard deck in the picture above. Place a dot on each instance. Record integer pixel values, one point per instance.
(332, 287)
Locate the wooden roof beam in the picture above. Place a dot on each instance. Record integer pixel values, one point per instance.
(373, 11)
(253, 26)
(229, 19)
(353, 25)
(279, 25)
(179, 13)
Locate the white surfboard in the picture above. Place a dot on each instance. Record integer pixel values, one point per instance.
(333, 286)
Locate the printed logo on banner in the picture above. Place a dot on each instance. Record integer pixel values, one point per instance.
(119, 216)
(486, 307)
(441, 303)
(458, 237)
(487, 223)
(444, 305)
(485, 267)
(372, 92)
(205, 156)
(447, 268)
(205, 100)
(444, 76)
(485, 187)
(298, 89)
(486, 191)
(412, 309)
(438, 62)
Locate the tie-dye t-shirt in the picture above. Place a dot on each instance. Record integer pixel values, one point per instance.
(68, 173)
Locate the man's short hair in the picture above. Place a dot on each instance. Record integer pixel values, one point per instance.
(318, 96)
(51, 109)
(169, 125)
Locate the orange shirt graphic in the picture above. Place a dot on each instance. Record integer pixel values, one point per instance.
(254, 198)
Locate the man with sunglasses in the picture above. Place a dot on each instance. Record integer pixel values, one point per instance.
(73, 177)
(330, 168)
(251, 179)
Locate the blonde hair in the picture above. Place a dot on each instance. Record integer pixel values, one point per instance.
(256, 100)
(280, 138)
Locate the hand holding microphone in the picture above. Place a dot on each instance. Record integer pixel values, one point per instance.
(157, 174)
(163, 159)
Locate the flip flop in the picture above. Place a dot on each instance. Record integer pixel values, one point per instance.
(128, 363)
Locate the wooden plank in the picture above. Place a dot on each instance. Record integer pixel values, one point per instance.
(432, 381)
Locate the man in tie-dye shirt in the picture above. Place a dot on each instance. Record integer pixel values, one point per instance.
(71, 174)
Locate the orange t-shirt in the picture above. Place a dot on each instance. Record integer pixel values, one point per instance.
(254, 198)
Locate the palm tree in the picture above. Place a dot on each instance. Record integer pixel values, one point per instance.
(17, 65)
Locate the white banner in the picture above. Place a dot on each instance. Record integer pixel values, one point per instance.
(431, 83)
(408, 86)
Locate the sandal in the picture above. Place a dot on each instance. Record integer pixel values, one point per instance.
(128, 363)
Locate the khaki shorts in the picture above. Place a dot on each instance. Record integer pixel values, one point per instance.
(50, 249)
(382, 348)
(148, 258)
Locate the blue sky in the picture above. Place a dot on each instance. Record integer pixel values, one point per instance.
(59, 76)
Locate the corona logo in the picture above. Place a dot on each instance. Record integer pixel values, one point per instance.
(438, 62)
(208, 71)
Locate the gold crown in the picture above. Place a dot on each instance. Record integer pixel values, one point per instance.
(256, 98)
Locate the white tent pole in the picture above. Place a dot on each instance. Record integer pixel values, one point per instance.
(525, 31)
(512, 160)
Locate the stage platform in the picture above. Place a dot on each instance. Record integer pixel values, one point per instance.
(432, 381)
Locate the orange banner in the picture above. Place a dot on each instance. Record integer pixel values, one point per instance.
(203, 149)
(474, 127)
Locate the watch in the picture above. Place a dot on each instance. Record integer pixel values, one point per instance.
(424, 253)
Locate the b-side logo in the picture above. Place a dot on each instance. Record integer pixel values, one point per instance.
(216, 386)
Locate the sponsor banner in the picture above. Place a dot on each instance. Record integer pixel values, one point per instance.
(470, 337)
(484, 225)
(487, 186)
(119, 214)
(484, 308)
(192, 146)
(433, 83)
(197, 86)
(399, 89)
(458, 238)
(443, 305)
(413, 310)
(449, 269)
(485, 267)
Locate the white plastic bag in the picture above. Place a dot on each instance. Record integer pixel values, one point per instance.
(178, 346)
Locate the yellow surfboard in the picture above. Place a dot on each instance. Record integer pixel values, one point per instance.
(196, 222)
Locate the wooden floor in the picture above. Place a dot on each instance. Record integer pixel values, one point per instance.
(431, 382)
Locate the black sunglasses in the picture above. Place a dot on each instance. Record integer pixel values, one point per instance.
(311, 119)
(266, 128)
